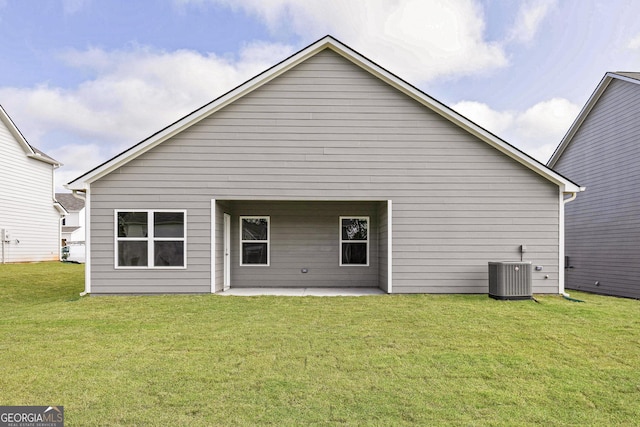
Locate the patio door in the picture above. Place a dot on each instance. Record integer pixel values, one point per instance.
(226, 283)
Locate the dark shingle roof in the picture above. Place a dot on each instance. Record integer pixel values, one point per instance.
(70, 203)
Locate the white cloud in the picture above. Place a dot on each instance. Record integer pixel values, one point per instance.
(536, 131)
(497, 122)
(529, 19)
(555, 115)
(634, 43)
(134, 94)
(419, 40)
(78, 159)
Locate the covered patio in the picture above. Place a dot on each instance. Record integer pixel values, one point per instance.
(301, 247)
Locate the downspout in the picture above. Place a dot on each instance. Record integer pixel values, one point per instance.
(571, 198)
(79, 195)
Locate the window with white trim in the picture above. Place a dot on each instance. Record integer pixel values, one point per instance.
(354, 240)
(254, 240)
(150, 239)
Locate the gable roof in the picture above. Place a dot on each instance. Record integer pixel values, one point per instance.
(29, 150)
(70, 202)
(629, 77)
(328, 42)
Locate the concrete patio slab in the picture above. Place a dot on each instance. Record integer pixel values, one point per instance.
(304, 292)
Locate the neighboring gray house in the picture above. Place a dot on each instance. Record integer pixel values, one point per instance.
(602, 151)
(325, 170)
(29, 214)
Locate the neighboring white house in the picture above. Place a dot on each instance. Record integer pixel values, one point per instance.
(73, 222)
(29, 214)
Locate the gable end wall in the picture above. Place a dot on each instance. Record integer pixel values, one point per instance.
(328, 131)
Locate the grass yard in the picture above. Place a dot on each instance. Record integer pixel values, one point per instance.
(380, 360)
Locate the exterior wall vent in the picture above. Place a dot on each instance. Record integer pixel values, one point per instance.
(510, 280)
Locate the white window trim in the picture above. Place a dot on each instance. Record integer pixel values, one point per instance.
(268, 241)
(150, 240)
(354, 241)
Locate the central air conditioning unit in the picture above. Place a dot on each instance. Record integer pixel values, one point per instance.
(510, 280)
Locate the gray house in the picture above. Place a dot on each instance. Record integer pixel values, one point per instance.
(602, 151)
(324, 170)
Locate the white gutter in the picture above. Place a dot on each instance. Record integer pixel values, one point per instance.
(77, 195)
(573, 196)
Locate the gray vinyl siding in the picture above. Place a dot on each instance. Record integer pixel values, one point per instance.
(602, 231)
(327, 131)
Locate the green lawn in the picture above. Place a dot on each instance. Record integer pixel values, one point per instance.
(378, 360)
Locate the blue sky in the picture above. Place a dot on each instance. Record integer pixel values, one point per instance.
(86, 79)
